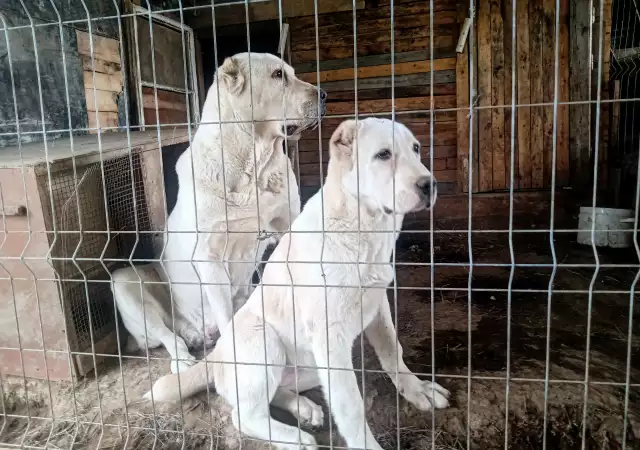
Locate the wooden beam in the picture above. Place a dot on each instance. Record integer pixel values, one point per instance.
(373, 60)
(440, 77)
(523, 114)
(235, 14)
(497, 94)
(484, 92)
(462, 103)
(580, 76)
(381, 71)
(103, 48)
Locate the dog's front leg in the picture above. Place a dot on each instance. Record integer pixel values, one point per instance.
(215, 285)
(341, 389)
(382, 335)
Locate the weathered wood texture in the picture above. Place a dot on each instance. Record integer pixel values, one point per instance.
(103, 79)
(534, 72)
(416, 76)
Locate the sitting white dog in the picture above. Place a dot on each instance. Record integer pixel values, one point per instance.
(234, 183)
(324, 284)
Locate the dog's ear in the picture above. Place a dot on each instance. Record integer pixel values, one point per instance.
(342, 140)
(231, 75)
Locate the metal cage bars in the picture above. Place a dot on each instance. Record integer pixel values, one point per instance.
(473, 109)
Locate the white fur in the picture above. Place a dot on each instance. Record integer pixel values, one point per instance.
(229, 173)
(309, 311)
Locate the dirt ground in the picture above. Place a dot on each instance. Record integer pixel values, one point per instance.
(479, 408)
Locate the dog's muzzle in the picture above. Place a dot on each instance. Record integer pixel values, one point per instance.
(428, 189)
(317, 113)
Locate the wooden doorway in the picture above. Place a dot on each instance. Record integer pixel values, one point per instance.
(532, 75)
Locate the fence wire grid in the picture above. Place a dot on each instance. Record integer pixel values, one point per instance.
(534, 334)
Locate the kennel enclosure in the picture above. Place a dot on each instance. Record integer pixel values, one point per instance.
(57, 253)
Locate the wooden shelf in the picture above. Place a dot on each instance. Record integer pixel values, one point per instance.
(88, 148)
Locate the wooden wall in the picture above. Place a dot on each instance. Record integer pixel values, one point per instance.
(533, 74)
(107, 79)
(374, 85)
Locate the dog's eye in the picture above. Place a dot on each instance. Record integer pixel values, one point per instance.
(277, 74)
(384, 155)
(416, 148)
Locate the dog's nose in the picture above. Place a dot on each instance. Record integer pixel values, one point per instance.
(428, 187)
(323, 95)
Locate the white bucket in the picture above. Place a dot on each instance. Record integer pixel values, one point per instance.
(614, 227)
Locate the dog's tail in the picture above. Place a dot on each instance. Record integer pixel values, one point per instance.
(192, 381)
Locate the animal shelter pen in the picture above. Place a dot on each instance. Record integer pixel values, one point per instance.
(515, 291)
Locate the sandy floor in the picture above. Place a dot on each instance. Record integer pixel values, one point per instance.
(480, 420)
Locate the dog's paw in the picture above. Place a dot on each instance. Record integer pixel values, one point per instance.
(426, 395)
(307, 442)
(183, 364)
(276, 182)
(309, 412)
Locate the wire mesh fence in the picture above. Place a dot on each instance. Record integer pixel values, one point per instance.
(152, 175)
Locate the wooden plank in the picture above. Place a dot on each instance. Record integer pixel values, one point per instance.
(381, 36)
(107, 101)
(401, 45)
(497, 95)
(166, 100)
(563, 166)
(399, 92)
(104, 48)
(370, 26)
(346, 17)
(270, 10)
(166, 116)
(444, 176)
(100, 66)
(462, 103)
(485, 183)
(107, 120)
(579, 114)
(508, 85)
(440, 77)
(103, 81)
(405, 68)
(373, 60)
(541, 46)
(524, 95)
(383, 105)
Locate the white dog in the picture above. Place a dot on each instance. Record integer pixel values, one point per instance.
(234, 182)
(324, 284)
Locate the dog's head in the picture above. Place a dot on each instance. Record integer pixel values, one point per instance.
(267, 85)
(379, 160)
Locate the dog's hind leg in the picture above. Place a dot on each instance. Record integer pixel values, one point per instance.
(250, 386)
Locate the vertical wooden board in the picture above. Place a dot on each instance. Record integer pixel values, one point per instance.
(462, 103)
(524, 95)
(563, 167)
(579, 91)
(508, 84)
(541, 72)
(497, 95)
(484, 93)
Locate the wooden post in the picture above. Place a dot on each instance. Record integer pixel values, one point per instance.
(579, 90)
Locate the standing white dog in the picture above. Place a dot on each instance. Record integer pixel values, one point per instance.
(234, 181)
(325, 284)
